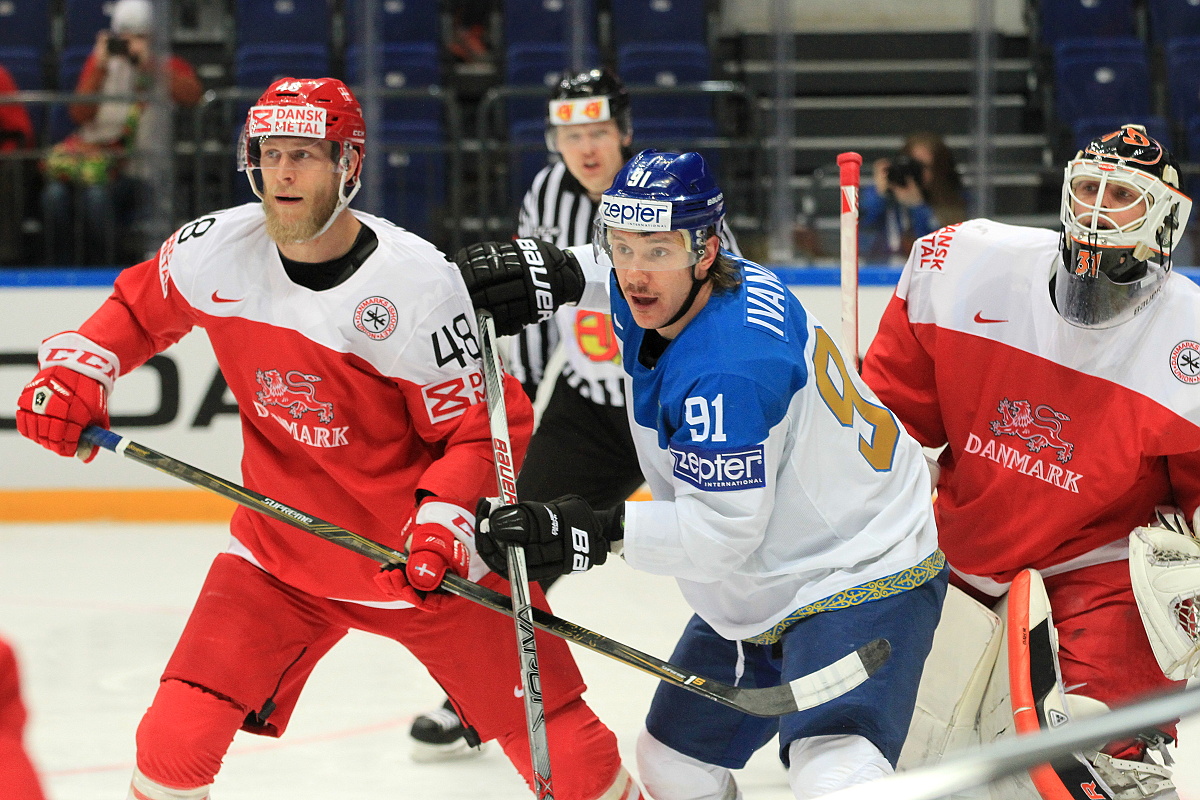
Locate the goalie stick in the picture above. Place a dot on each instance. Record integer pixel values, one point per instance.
(805, 692)
(506, 483)
(974, 768)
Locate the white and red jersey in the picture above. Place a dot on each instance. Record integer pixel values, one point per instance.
(1060, 440)
(351, 398)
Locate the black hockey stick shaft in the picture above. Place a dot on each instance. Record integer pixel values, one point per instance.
(806, 692)
(506, 483)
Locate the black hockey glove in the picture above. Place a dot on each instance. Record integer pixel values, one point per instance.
(521, 282)
(559, 537)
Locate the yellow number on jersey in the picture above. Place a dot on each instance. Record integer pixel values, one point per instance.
(881, 449)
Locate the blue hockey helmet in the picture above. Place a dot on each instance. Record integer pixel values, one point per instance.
(658, 191)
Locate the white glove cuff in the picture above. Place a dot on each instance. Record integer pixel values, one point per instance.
(451, 516)
(78, 353)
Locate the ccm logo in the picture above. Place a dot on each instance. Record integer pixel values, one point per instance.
(87, 358)
(539, 276)
(720, 470)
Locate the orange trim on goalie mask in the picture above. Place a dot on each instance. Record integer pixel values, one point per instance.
(1086, 263)
(1141, 141)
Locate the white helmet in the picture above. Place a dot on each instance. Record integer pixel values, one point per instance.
(1122, 213)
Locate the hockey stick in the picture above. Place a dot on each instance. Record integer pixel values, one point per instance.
(506, 481)
(848, 171)
(974, 768)
(805, 692)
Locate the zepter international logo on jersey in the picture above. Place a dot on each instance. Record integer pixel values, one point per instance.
(720, 470)
(1185, 362)
(376, 317)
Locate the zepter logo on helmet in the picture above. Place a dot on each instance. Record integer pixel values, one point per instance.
(661, 192)
(316, 108)
(1122, 213)
(596, 95)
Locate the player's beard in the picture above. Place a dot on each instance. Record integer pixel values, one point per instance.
(303, 229)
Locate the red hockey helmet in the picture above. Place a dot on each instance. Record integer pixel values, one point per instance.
(317, 108)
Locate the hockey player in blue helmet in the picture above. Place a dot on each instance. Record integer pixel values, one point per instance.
(795, 538)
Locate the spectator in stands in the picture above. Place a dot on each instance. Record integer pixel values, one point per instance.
(16, 133)
(99, 161)
(913, 194)
(470, 21)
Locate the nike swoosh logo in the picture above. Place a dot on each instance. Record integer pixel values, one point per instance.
(217, 299)
(982, 319)
(518, 692)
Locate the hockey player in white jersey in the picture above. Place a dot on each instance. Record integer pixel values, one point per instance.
(351, 347)
(789, 504)
(1061, 372)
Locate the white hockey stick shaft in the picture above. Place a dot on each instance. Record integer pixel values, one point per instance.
(849, 166)
(506, 480)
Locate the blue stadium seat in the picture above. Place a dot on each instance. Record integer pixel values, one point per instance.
(70, 65)
(545, 21)
(1087, 128)
(297, 22)
(414, 181)
(1098, 75)
(256, 66)
(659, 21)
(25, 65)
(1171, 19)
(404, 66)
(1066, 19)
(401, 21)
(26, 23)
(666, 64)
(536, 64)
(1183, 78)
(82, 19)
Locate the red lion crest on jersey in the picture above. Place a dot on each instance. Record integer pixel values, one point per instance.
(1039, 428)
(297, 395)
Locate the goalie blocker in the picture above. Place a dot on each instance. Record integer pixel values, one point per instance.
(991, 675)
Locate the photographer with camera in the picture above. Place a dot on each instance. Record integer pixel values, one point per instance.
(915, 192)
(94, 173)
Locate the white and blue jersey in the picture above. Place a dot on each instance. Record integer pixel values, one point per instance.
(782, 487)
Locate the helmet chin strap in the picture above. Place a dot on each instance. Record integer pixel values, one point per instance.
(688, 301)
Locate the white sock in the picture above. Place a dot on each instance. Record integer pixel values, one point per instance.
(823, 764)
(142, 788)
(668, 774)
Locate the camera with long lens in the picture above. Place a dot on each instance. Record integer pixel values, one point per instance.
(118, 46)
(903, 168)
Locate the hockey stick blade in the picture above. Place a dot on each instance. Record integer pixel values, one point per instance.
(973, 768)
(805, 692)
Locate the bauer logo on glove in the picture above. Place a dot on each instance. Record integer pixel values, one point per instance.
(559, 538)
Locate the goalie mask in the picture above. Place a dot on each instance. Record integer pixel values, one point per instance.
(1122, 213)
(319, 108)
(593, 96)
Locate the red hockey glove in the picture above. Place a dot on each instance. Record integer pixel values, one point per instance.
(57, 405)
(440, 538)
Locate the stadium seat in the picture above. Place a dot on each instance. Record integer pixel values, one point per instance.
(70, 65)
(400, 21)
(269, 22)
(528, 21)
(414, 181)
(665, 64)
(256, 66)
(1066, 19)
(1172, 19)
(82, 19)
(659, 21)
(404, 66)
(1109, 76)
(1182, 57)
(540, 64)
(26, 23)
(25, 65)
